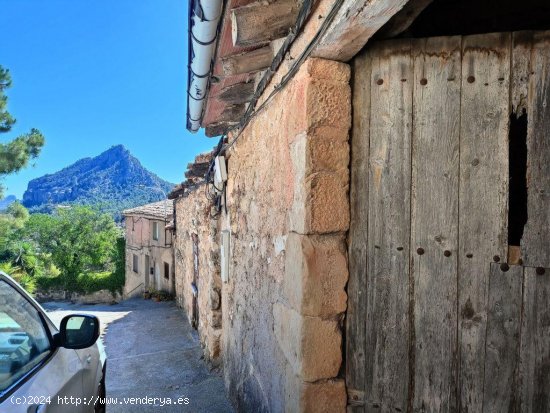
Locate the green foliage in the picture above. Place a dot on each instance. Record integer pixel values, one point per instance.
(9, 268)
(17, 273)
(15, 248)
(157, 295)
(106, 280)
(119, 274)
(79, 239)
(18, 212)
(75, 249)
(16, 154)
(26, 281)
(6, 120)
(86, 283)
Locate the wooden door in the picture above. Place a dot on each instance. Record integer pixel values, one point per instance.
(438, 320)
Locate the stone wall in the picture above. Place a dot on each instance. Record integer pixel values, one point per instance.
(193, 217)
(287, 196)
(97, 297)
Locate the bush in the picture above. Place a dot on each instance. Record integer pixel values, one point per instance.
(74, 250)
(45, 283)
(85, 283)
(26, 281)
(19, 275)
(91, 282)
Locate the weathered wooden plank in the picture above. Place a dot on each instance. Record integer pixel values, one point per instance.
(248, 62)
(197, 169)
(500, 392)
(483, 197)
(261, 21)
(536, 236)
(535, 341)
(520, 71)
(355, 23)
(232, 113)
(357, 283)
(387, 328)
(517, 140)
(237, 93)
(403, 19)
(219, 128)
(434, 222)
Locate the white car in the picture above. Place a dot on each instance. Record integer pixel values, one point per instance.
(45, 369)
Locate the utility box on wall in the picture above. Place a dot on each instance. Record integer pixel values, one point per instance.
(220, 173)
(224, 255)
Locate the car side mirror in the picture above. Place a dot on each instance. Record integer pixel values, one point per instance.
(78, 331)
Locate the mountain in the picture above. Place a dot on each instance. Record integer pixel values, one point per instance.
(114, 180)
(7, 201)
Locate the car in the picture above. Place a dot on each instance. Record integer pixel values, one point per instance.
(46, 368)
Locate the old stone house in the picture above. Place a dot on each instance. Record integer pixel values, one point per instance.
(196, 252)
(372, 231)
(149, 249)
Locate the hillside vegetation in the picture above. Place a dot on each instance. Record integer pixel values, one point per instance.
(75, 249)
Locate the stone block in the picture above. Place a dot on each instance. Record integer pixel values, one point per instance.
(323, 396)
(295, 117)
(320, 95)
(316, 274)
(311, 345)
(327, 203)
(328, 70)
(320, 203)
(324, 153)
(213, 343)
(328, 104)
(216, 319)
(215, 299)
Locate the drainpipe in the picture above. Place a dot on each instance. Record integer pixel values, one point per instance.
(204, 16)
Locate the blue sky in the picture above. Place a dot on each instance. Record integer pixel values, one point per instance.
(94, 73)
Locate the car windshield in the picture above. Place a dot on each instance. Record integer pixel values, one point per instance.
(24, 341)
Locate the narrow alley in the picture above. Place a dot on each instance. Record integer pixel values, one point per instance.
(152, 352)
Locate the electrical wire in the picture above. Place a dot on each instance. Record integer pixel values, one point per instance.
(252, 111)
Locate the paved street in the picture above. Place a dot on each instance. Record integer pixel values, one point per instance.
(152, 351)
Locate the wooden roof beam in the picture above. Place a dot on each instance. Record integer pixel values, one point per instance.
(261, 22)
(401, 21)
(237, 93)
(197, 170)
(232, 113)
(247, 62)
(218, 129)
(354, 24)
(252, 61)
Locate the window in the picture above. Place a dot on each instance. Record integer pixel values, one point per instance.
(25, 340)
(156, 231)
(135, 263)
(166, 270)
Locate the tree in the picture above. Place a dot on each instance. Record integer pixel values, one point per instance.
(13, 219)
(78, 239)
(16, 154)
(15, 250)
